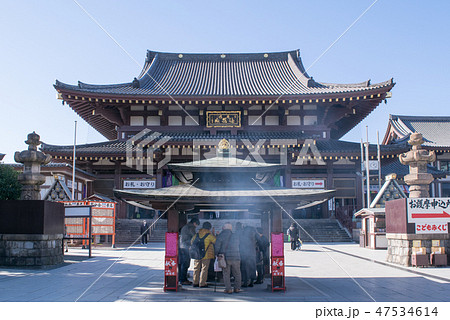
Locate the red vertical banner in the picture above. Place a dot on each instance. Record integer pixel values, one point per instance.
(277, 244)
(171, 262)
(171, 244)
(277, 261)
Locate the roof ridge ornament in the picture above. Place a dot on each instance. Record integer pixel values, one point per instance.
(136, 84)
(150, 56)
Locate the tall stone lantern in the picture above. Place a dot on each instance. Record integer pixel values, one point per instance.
(417, 159)
(32, 231)
(32, 159)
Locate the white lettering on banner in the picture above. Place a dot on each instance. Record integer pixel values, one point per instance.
(431, 228)
(139, 184)
(105, 205)
(74, 203)
(436, 210)
(308, 184)
(431, 215)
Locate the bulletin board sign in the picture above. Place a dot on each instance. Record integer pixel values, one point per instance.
(102, 220)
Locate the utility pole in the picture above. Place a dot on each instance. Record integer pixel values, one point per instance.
(73, 163)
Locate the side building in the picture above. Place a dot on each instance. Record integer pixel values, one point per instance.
(435, 131)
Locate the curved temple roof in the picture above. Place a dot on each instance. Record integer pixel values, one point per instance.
(435, 129)
(185, 192)
(223, 75)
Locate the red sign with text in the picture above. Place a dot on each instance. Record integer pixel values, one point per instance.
(277, 267)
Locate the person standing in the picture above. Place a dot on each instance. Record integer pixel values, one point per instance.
(294, 235)
(248, 256)
(262, 253)
(201, 266)
(184, 260)
(227, 244)
(144, 232)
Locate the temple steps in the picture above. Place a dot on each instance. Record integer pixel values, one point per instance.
(128, 230)
(321, 230)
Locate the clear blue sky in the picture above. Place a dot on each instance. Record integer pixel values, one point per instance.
(46, 40)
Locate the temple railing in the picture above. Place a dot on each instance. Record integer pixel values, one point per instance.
(344, 215)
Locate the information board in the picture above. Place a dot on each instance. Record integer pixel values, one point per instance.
(103, 218)
(430, 215)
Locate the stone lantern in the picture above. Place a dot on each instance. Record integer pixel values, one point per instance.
(32, 159)
(417, 159)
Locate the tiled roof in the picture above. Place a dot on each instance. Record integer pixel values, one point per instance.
(231, 163)
(223, 75)
(185, 191)
(117, 147)
(107, 147)
(435, 130)
(401, 170)
(338, 146)
(54, 165)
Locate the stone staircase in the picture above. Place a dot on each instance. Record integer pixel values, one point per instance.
(321, 230)
(158, 233)
(128, 230)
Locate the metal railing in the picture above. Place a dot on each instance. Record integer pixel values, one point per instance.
(344, 215)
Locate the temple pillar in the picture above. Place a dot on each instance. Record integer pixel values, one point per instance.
(265, 223)
(159, 178)
(324, 210)
(277, 219)
(117, 173)
(173, 220)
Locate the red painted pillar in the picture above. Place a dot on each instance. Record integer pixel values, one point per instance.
(171, 254)
(277, 250)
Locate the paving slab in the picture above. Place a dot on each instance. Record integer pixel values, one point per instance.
(326, 272)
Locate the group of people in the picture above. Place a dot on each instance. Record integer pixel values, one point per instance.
(245, 251)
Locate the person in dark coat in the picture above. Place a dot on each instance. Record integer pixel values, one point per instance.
(262, 254)
(184, 259)
(144, 232)
(248, 256)
(294, 234)
(227, 244)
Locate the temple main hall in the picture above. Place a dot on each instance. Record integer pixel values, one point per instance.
(264, 105)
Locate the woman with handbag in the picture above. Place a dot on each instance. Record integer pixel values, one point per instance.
(227, 248)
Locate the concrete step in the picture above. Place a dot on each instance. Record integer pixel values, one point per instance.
(321, 230)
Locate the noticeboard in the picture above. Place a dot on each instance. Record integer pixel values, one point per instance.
(103, 218)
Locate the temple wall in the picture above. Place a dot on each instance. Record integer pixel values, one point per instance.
(37, 250)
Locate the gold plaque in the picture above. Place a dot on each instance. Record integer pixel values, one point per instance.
(223, 119)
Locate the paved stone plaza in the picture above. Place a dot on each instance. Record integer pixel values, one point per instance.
(327, 273)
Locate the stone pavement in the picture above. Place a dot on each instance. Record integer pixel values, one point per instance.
(329, 272)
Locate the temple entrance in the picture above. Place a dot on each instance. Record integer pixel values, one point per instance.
(225, 188)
